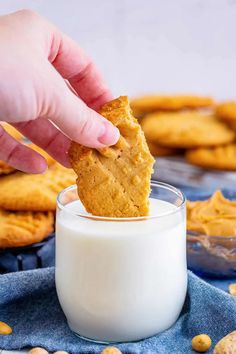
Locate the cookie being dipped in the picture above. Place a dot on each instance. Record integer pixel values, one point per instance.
(115, 181)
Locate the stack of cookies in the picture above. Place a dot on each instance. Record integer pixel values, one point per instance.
(194, 126)
(28, 201)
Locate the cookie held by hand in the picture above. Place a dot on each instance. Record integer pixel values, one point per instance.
(115, 181)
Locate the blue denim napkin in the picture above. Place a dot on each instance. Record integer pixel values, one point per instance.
(28, 302)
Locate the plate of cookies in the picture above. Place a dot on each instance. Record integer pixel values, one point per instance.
(193, 138)
(27, 207)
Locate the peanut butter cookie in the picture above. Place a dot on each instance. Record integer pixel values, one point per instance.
(186, 130)
(227, 111)
(147, 104)
(29, 192)
(24, 228)
(220, 157)
(5, 169)
(158, 150)
(227, 345)
(115, 181)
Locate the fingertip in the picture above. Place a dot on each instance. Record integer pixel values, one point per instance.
(110, 135)
(37, 165)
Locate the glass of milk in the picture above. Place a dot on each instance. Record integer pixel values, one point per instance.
(121, 279)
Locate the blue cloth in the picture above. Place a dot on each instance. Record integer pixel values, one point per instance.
(28, 302)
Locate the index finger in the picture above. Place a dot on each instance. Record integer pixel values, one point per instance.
(76, 67)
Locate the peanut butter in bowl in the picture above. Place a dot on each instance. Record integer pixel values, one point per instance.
(211, 236)
(215, 216)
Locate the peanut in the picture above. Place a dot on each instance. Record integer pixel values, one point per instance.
(5, 328)
(226, 345)
(111, 350)
(201, 343)
(38, 350)
(232, 289)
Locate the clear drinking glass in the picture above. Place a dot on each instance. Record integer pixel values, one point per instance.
(121, 279)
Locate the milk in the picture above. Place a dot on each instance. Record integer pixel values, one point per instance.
(121, 280)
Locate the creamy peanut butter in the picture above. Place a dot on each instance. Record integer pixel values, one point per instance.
(215, 216)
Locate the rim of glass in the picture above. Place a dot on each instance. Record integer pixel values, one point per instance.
(136, 218)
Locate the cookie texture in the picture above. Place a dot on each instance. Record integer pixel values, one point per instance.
(151, 103)
(227, 111)
(24, 228)
(186, 130)
(158, 150)
(227, 345)
(5, 169)
(221, 157)
(115, 181)
(30, 192)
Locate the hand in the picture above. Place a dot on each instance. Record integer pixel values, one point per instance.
(49, 91)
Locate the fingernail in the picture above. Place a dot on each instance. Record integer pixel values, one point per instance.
(109, 134)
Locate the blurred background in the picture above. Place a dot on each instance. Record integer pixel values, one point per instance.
(154, 45)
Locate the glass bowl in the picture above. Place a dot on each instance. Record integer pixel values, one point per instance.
(211, 256)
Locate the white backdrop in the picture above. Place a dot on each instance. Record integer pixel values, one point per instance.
(153, 45)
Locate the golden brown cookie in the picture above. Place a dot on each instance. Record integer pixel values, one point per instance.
(220, 157)
(12, 131)
(24, 228)
(227, 111)
(186, 130)
(147, 104)
(5, 169)
(115, 181)
(227, 345)
(158, 150)
(31, 192)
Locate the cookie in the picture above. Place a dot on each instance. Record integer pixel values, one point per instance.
(157, 150)
(115, 181)
(227, 345)
(227, 111)
(5, 169)
(221, 157)
(24, 228)
(186, 130)
(147, 104)
(12, 131)
(30, 192)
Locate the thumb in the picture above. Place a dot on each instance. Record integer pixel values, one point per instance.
(79, 122)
